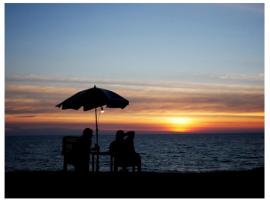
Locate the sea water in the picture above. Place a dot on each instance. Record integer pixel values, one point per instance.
(159, 152)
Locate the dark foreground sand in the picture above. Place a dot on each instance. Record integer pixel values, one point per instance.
(244, 184)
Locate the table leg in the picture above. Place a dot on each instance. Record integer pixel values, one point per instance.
(97, 162)
(93, 163)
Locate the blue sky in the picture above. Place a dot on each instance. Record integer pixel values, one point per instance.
(156, 42)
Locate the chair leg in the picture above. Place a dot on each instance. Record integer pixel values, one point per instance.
(65, 165)
(115, 168)
(111, 164)
(139, 168)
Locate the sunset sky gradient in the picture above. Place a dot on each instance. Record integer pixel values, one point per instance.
(185, 68)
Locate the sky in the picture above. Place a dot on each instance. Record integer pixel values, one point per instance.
(185, 68)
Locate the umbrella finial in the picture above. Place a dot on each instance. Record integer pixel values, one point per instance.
(95, 86)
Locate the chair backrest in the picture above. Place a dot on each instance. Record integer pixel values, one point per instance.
(68, 144)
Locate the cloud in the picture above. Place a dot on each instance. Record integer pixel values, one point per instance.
(215, 102)
(73, 80)
(31, 100)
(246, 77)
(80, 82)
(186, 97)
(36, 89)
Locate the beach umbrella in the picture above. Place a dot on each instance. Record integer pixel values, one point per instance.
(94, 98)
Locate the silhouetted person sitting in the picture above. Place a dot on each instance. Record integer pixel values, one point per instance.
(133, 158)
(123, 151)
(117, 150)
(82, 151)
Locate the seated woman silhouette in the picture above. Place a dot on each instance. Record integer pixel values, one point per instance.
(82, 151)
(133, 158)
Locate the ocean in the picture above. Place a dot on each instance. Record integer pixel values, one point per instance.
(159, 152)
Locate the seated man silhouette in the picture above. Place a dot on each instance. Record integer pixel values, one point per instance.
(133, 158)
(117, 150)
(82, 150)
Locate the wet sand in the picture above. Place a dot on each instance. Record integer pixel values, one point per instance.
(225, 184)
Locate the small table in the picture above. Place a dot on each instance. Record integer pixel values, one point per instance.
(97, 154)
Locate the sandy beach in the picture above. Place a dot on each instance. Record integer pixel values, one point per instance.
(219, 184)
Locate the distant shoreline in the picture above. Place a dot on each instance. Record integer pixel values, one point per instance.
(55, 184)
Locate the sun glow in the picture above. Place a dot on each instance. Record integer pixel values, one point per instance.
(179, 124)
(179, 120)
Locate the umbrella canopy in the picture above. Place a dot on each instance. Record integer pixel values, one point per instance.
(94, 98)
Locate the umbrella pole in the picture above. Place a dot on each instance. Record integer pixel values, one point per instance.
(97, 146)
(96, 127)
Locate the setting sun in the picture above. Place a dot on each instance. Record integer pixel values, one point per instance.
(179, 120)
(179, 124)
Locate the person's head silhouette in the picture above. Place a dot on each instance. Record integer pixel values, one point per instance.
(87, 133)
(120, 135)
(130, 135)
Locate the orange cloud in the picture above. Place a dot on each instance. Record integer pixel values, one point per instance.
(208, 107)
